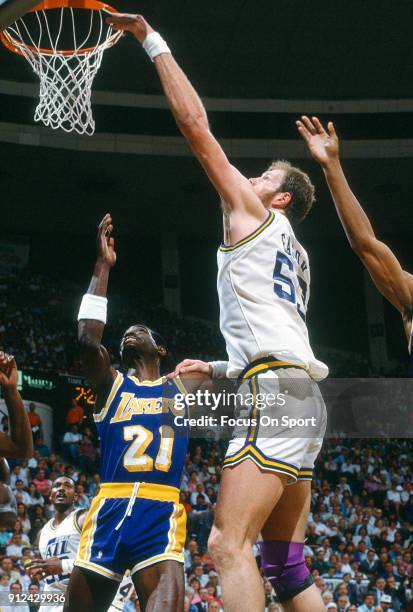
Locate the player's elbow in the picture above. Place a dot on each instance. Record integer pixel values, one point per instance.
(362, 245)
(195, 128)
(87, 344)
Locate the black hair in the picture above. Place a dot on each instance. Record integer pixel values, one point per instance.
(64, 476)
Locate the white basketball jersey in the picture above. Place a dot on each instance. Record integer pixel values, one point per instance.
(60, 541)
(123, 594)
(263, 289)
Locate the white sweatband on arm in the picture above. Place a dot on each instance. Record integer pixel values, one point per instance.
(93, 307)
(154, 45)
(67, 566)
(218, 369)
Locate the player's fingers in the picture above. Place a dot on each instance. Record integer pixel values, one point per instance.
(331, 129)
(36, 565)
(308, 124)
(302, 130)
(319, 126)
(12, 362)
(107, 219)
(120, 21)
(184, 363)
(191, 368)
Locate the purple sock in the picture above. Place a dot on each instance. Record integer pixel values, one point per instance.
(284, 566)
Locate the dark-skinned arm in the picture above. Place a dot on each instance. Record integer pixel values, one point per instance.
(19, 443)
(94, 356)
(242, 203)
(394, 283)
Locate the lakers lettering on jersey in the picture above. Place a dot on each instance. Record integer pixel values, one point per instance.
(264, 288)
(136, 519)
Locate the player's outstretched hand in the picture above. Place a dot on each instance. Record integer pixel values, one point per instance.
(191, 366)
(8, 371)
(322, 144)
(136, 24)
(46, 567)
(105, 242)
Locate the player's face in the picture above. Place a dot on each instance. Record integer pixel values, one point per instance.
(268, 185)
(63, 493)
(136, 341)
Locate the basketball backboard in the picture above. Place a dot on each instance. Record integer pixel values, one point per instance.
(10, 10)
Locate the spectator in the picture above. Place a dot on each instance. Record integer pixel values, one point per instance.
(87, 454)
(40, 446)
(71, 441)
(23, 517)
(82, 500)
(202, 605)
(43, 485)
(75, 414)
(18, 474)
(35, 498)
(7, 567)
(15, 547)
(368, 603)
(16, 589)
(34, 418)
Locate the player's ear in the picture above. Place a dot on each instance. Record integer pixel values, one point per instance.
(162, 352)
(281, 200)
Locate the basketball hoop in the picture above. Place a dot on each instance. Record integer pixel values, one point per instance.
(64, 41)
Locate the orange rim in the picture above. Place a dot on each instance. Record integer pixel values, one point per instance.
(14, 45)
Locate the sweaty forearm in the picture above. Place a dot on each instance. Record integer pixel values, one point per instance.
(99, 282)
(183, 100)
(20, 441)
(353, 218)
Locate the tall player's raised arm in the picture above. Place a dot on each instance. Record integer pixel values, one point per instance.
(391, 280)
(19, 444)
(92, 313)
(191, 118)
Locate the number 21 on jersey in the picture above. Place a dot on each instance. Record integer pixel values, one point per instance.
(135, 459)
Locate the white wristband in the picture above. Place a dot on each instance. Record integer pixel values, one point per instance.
(154, 45)
(219, 369)
(67, 566)
(93, 307)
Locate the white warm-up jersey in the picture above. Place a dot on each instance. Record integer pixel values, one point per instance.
(60, 541)
(263, 289)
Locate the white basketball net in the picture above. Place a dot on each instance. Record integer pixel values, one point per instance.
(65, 80)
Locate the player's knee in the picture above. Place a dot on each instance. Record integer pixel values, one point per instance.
(221, 549)
(284, 566)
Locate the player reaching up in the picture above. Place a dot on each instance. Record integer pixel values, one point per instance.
(135, 521)
(18, 443)
(263, 287)
(394, 283)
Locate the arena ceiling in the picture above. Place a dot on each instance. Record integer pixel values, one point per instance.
(291, 50)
